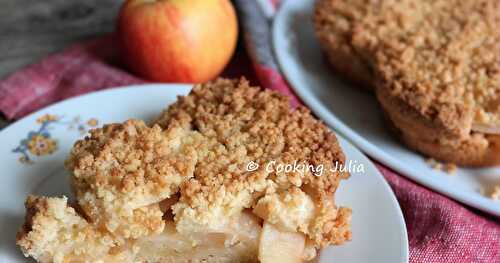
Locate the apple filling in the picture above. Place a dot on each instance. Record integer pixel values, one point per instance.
(487, 129)
(245, 241)
(68, 237)
(236, 242)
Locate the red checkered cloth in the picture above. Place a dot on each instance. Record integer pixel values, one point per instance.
(439, 229)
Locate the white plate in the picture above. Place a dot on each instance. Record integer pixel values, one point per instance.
(376, 211)
(355, 113)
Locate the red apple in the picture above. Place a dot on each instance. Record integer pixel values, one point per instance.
(177, 40)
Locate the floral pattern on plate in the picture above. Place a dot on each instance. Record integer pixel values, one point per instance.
(40, 142)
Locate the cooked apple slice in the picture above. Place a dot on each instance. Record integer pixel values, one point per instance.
(278, 246)
(237, 242)
(486, 128)
(310, 252)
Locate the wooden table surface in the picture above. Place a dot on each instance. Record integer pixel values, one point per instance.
(32, 29)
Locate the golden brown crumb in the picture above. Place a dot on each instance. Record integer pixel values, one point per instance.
(437, 166)
(121, 171)
(495, 193)
(450, 168)
(243, 124)
(430, 161)
(54, 232)
(434, 164)
(441, 57)
(491, 189)
(433, 65)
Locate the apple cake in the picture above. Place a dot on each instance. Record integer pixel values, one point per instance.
(181, 189)
(434, 67)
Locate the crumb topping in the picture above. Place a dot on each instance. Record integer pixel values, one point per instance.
(54, 232)
(122, 171)
(243, 124)
(439, 57)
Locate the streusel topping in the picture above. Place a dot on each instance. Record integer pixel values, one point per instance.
(55, 232)
(122, 171)
(244, 124)
(440, 57)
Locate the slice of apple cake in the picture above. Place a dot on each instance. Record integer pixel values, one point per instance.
(203, 183)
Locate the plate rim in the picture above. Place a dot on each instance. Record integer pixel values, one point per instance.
(92, 93)
(379, 176)
(469, 199)
(342, 141)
